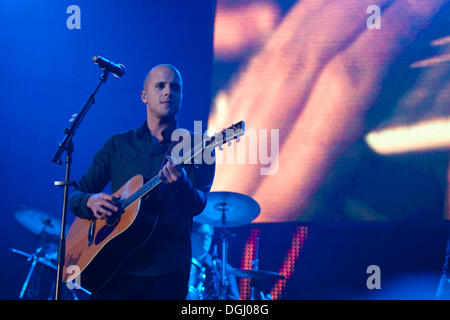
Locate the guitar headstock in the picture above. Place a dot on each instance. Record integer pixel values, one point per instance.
(226, 135)
(217, 140)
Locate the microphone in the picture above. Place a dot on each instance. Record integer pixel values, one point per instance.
(117, 70)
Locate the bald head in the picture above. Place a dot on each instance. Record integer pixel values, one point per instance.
(163, 68)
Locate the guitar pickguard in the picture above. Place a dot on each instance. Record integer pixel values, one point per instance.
(105, 231)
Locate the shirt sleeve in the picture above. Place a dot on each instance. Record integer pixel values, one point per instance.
(192, 192)
(93, 181)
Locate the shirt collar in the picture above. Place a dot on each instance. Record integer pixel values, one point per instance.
(166, 133)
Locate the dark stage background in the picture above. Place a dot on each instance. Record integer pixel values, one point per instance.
(47, 74)
(330, 261)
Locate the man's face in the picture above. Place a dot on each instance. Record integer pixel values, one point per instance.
(162, 92)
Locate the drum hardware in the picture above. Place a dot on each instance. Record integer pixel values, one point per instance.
(196, 287)
(224, 210)
(257, 274)
(258, 277)
(261, 281)
(28, 291)
(255, 266)
(216, 272)
(228, 209)
(46, 227)
(224, 241)
(36, 222)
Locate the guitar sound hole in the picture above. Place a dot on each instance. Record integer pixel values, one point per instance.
(105, 231)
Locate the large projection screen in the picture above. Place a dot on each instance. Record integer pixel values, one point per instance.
(346, 105)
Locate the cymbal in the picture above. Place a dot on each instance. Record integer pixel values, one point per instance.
(238, 209)
(256, 274)
(37, 221)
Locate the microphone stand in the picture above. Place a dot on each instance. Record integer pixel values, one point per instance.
(66, 145)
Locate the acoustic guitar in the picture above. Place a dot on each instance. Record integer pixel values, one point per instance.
(95, 249)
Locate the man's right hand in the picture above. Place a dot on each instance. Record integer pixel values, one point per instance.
(101, 205)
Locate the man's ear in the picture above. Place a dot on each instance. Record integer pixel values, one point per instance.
(144, 97)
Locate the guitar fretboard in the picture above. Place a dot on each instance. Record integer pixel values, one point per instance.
(225, 135)
(142, 191)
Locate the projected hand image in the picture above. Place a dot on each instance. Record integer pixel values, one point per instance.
(314, 79)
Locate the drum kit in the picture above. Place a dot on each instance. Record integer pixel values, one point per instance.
(44, 258)
(226, 210)
(223, 210)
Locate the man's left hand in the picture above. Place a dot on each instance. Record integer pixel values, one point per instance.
(171, 173)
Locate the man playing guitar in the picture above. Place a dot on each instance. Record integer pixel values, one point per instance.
(159, 268)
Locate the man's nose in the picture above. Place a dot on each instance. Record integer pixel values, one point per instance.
(167, 91)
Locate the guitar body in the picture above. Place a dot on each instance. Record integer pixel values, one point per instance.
(99, 247)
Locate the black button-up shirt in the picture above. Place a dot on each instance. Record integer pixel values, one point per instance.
(138, 152)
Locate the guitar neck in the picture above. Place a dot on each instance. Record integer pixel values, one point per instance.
(226, 135)
(146, 188)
